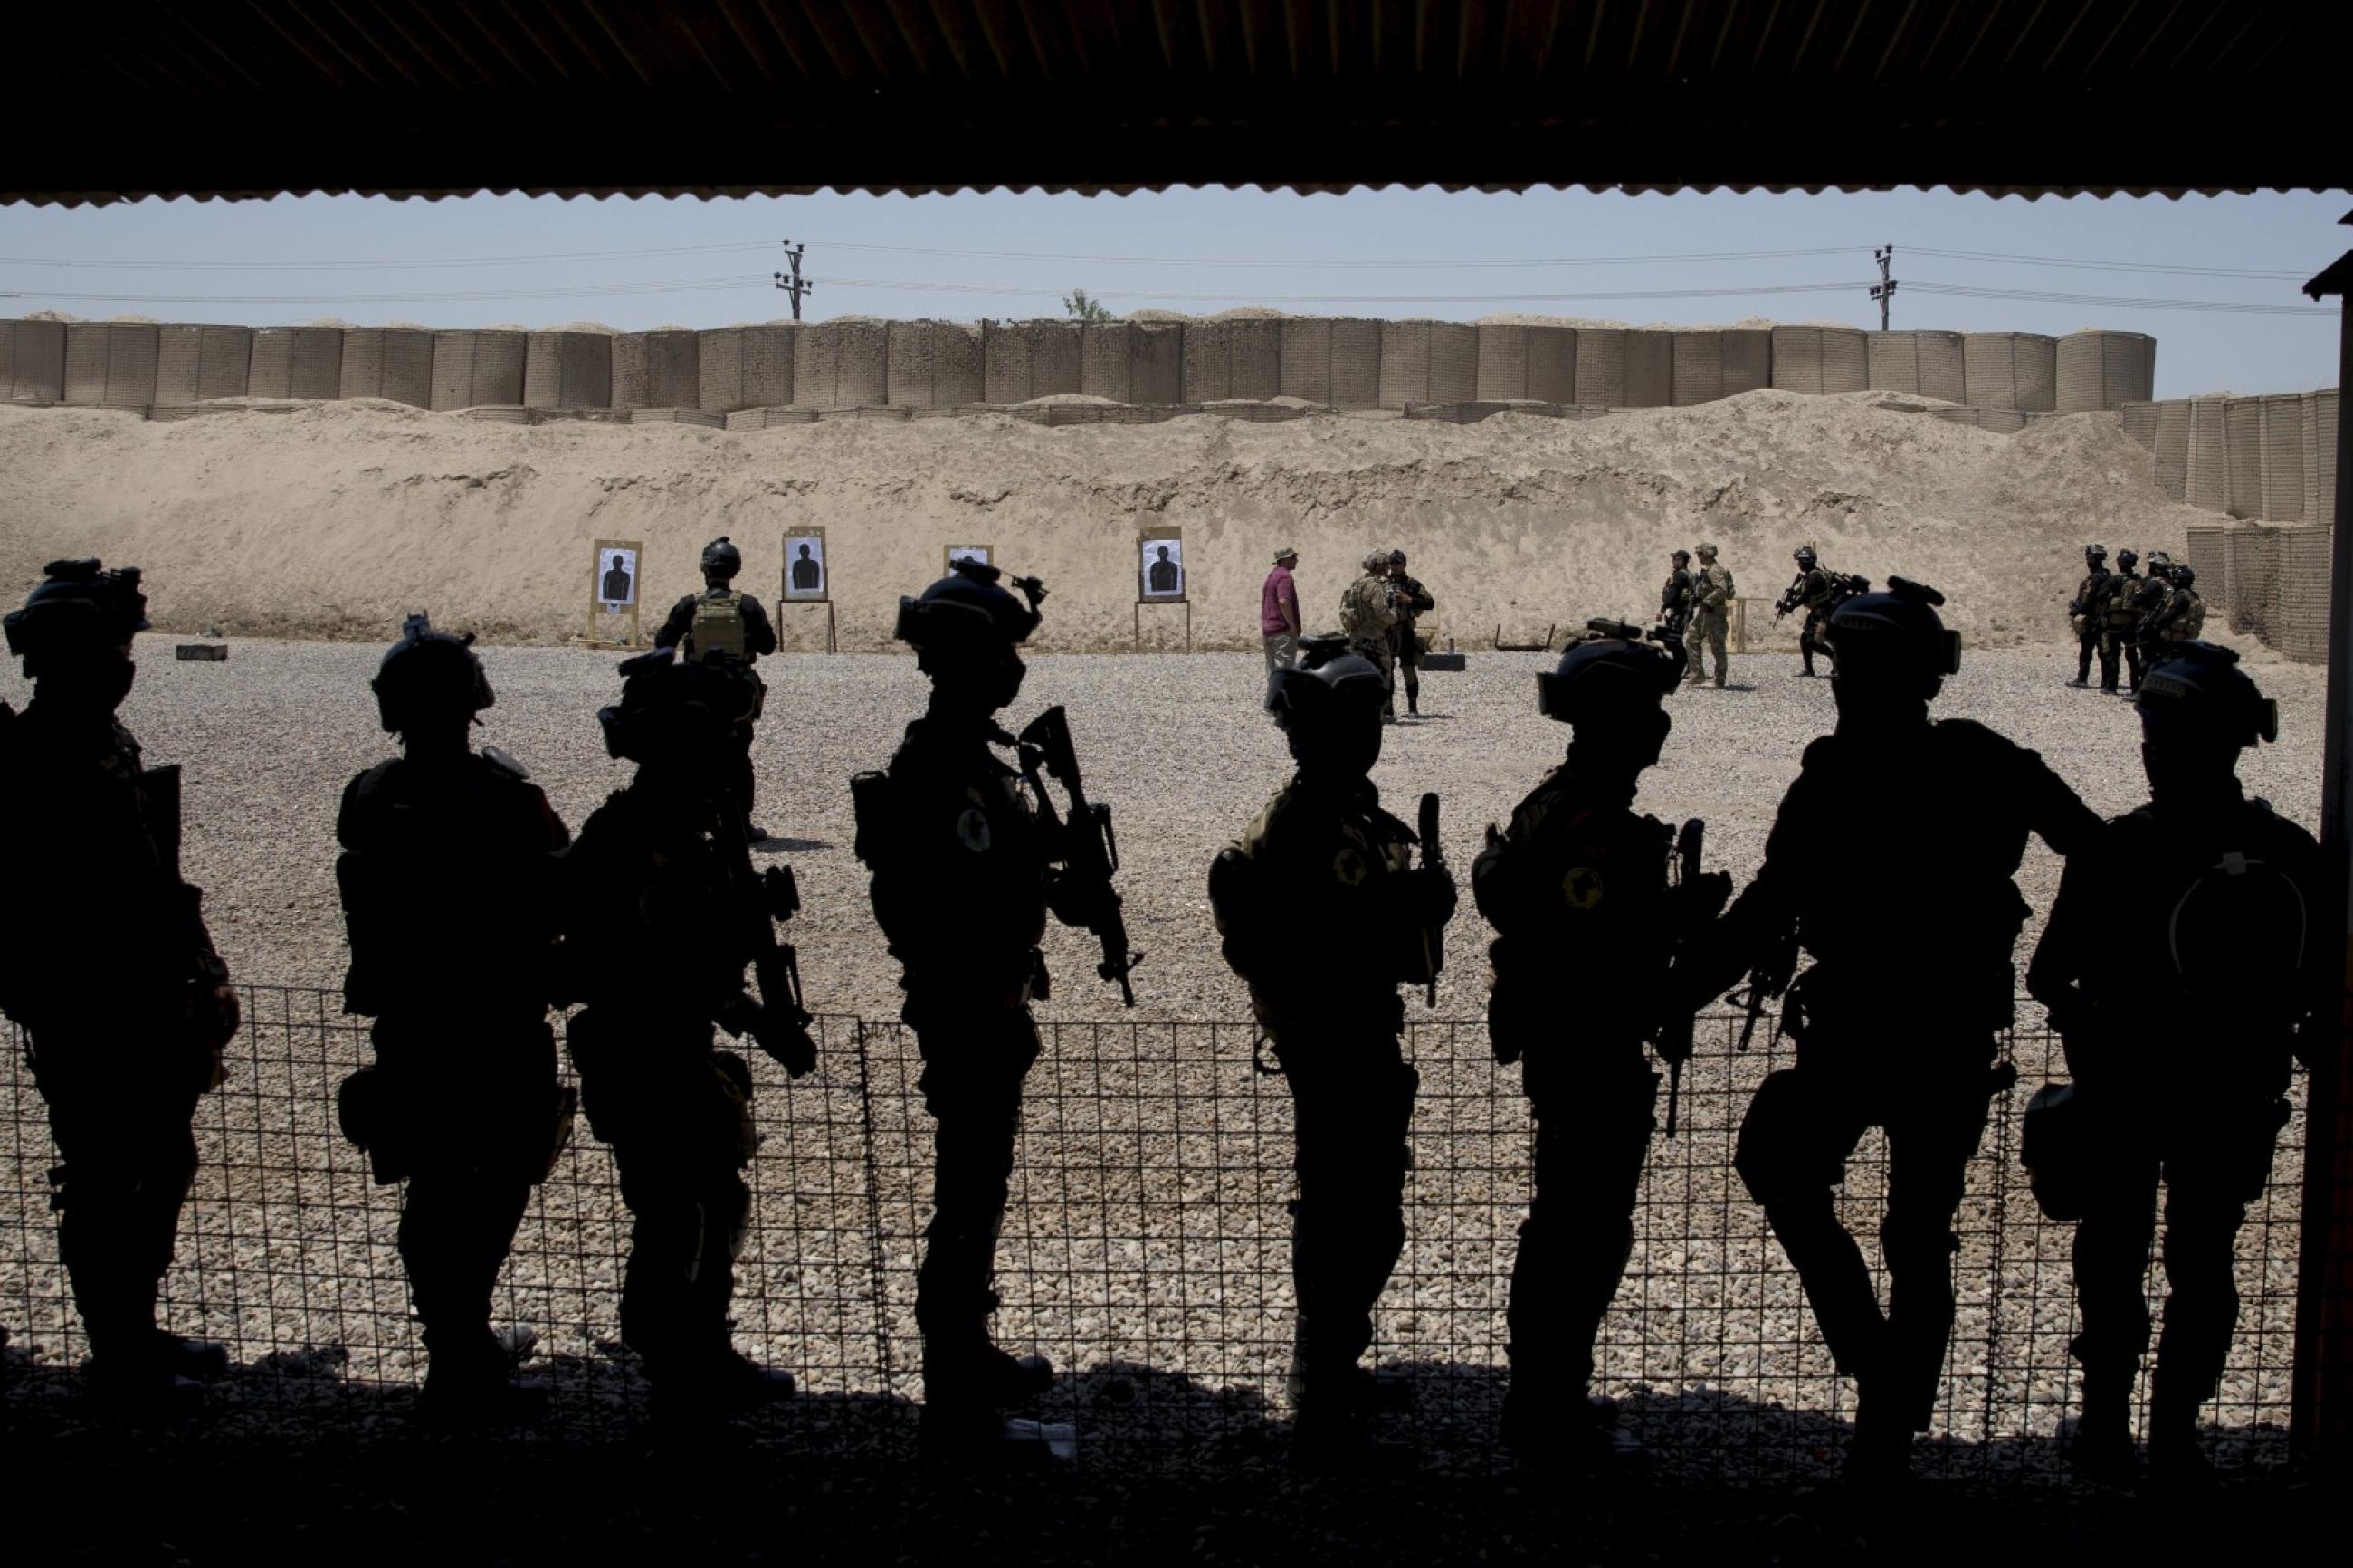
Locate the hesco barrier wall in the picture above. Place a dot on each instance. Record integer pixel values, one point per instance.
(1349, 361)
(567, 370)
(2300, 628)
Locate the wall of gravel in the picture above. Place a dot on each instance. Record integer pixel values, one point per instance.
(198, 363)
(1240, 358)
(1927, 364)
(111, 363)
(1820, 359)
(1023, 360)
(394, 363)
(1527, 363)
(2300, 594)
(305, 362)
(33, 354)
(932, 365)
(2101, 369)
(567, 370)
(1429, 361)
(2011, 370)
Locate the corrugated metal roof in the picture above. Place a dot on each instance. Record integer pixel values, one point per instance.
(112, 100)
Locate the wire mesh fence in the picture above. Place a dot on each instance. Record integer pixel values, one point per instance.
(1145, 1251)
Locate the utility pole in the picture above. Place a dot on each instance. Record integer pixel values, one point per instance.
(794, 285)
(1885, 290)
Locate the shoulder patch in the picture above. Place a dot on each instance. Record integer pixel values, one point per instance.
(500, 762)
(972, 830)
(1348, 866)
(1582, 889)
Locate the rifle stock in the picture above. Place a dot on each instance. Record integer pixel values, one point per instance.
(756, 902)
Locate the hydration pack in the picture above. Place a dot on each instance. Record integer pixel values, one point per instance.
(2237, 939)
(718, 628)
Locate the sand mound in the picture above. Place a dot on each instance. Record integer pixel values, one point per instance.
(336, 519)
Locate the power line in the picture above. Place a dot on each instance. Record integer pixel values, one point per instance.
(379, 266)
(2118, 302)
(1350, 262)
(2181, 271)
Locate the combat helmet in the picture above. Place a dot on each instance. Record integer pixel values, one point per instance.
(1375, 559)
(1612, 669)
(81, 609)
(2128, 559)
(1708, 551)
(672, 711)
(1328, 683)
(2185, 575)
(1679, 556)
(430, 674)
(1804, 557)
(1397, 558)
(1893, 632)
(2200, 691)
(2160, 564)
(721, 559)
(967, 608)
(2095, 552)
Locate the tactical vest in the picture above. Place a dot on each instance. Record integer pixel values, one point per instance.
(2192, 619)
(718, 628)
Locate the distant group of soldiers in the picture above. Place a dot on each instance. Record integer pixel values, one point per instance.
(1610, 934)
(1379, 617)
(2126, 619)
(1695, 609)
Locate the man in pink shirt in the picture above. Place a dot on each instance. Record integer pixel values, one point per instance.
(1278, 613)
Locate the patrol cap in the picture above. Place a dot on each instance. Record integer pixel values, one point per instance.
(429, 675)
(1611, 668)
(969, 606)
(2199, 688)
(1896, 626)
(1334, 687)
(1680, 555)
(1286, 553)
(721, 556)
(81, 608)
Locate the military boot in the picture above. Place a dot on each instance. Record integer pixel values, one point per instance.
(717, 1387)
(1413, 700)
(968, 1383)
(1554, 1427)
(469, 1380)
(2101, 1449)
(2176, 1460)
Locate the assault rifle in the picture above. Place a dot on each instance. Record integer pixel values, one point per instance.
(1084, 895)
(1696, 899)
(755, 904)
(1433, 938)
(1790, 596)
(1766, 978)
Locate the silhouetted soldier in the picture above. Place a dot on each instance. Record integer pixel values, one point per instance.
(2180, 1052)
(463, 1102)
(964, 875)
(1164, 577)
(109, 970)
(1577, 891)
(722, 627)
(1412, 601)
(1324, 915)
(2088, 612)
(1815, 592)
(1675, 598)
(808, 575)
(654, 946)
(2118, 618)
(1895, 1022)
(2153, 597)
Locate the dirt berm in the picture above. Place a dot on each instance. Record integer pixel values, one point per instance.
(334, 520)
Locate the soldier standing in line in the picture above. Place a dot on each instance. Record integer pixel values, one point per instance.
(964, 874)
(1897, 1023)
(2180, 618)
(730, 630)
(463, 1102)
(1367, 615)
(2155, 595)
(2215, 895)
(657, 936)
(2117, 619)
(111, 972)
(1577, 891)
(1675, 595)
(1711, 615)
(1410, 600)
(2088, 614)
(1324, 914)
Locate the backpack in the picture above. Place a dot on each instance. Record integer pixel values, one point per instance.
(2238, 936)
(718, 628)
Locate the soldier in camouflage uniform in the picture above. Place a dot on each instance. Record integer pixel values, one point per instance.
(1368, 615)
(1712, 595)
(2088, 612)
(1410, 599)
(106, 963)
(1815, 592)
(2118, 618)
(2180, 619)
(1576, 888)
(1675, 595)
(1324, 914)
(732, 630)
(2153, 598)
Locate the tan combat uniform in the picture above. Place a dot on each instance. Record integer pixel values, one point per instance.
(1711, 620)
(1367, 616)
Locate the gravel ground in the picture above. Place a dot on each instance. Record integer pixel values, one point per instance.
(1147, 1247)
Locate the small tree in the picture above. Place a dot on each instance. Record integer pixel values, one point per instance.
(1078, 303)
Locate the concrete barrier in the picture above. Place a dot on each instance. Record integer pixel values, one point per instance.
(305, 362)
(567, 370)
(935, 364)
(199, 365)
(2280, 433)
(392, 362)
(2103, 370)
(1601, 367)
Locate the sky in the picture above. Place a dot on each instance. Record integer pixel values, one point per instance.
(2122, 263)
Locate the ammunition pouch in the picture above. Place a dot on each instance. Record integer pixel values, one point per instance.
(870, 800)
(735, 1129)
